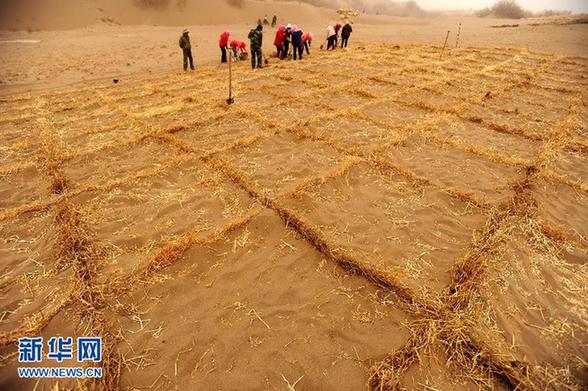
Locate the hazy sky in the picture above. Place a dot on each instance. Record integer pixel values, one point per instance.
(533, 5)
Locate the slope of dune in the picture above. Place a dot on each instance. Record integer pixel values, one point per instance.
(71, 14)
(398, 214)
(389, 7)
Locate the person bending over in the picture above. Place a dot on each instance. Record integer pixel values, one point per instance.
(239, 48)
(279, 40)
(223, 44)
(287, 41)
(297, 42)
(345, 34)
(337, 30)
(307, 41)
(331, 37)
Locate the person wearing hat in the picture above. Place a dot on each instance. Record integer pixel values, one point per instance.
(287, 41)
(297, 42)
(186, 47)
(223, 44)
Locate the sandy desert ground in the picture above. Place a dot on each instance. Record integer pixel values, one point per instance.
(381, 217)
(39, 59)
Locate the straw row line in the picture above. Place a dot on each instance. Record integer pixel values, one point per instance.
(412, 303)
(74, 250)
(466, 277)
(468, 274)
(77, 253)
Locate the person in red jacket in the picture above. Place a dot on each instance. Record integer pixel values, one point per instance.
(279, 41)
(223, 43)
(338, 27)
(238, 48)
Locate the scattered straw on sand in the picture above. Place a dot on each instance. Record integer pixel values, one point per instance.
(397, 127)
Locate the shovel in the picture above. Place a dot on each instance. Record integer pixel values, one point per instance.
(230, 99)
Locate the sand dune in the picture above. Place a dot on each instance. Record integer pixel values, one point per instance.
(398, 225)
(387, 216)
(69, 14)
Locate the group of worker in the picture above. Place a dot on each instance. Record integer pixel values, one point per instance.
(290, 36)
(333, 35)
(234, 48)
(239, 48)
(287, 36)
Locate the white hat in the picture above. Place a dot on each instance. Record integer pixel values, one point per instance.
(288, 26)
(186, 31)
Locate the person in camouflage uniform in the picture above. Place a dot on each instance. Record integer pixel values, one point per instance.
(186, 47)
(256, 42)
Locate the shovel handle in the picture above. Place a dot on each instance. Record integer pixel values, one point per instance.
(230, 79)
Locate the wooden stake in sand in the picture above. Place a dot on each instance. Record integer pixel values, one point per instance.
(230, 99)
(458, 34)
(445, 44)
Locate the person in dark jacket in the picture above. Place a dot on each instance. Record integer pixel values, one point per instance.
(297, 47)
(345, 34)
(287, 41)
(256, 43)
(186, 47)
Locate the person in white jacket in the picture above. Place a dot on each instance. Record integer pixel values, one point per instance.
(331, 37)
